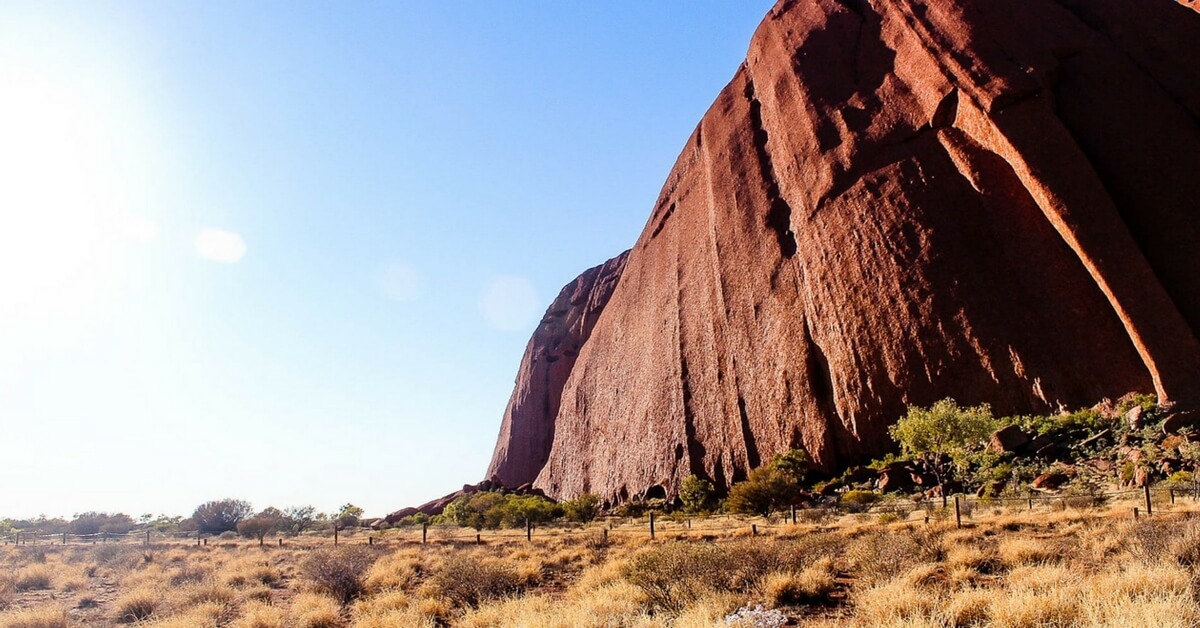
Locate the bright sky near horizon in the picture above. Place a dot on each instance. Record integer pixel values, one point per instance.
(292, 252)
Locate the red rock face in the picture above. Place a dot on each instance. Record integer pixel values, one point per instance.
(893, 202)
(528, 427)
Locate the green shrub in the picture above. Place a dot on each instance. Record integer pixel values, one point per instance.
(582, 509)
(696, 494)
(858, 501)
(767, 490)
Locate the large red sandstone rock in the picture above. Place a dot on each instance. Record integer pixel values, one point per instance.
(892, 202)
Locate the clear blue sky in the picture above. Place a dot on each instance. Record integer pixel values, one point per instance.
(292, 252)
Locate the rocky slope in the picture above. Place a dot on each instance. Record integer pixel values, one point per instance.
(893, 201)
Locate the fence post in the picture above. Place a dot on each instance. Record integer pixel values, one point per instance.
(753, 529)
(1149, 508)
(1135, 513)
(793, 514)
(281, 541)
(651, 525)
(528, 529)
(478, 539)
(957, 513)
(64, 538)
(1030, 496)
(148, 539)
(370, 540)
(604, 534)
(335, 534)
(104, 537)
(424, 531)
(1172, 495)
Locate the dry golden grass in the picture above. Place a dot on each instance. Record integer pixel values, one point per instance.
(45, 617)
(1066, 568)
(314, 610)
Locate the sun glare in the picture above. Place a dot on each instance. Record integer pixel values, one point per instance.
(62, 211)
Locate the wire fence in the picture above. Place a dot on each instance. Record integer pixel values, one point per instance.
(1147, 502)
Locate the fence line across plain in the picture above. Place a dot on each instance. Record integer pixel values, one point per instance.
(637, 526)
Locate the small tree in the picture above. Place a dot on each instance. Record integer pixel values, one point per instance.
(696, 494)
(793, 462)
(349, 516)
(475, 510)
(221, 515)
(943, 430)
(767, 490)
(297, 519)
(259, 526)
(516, 510)
(582, 509)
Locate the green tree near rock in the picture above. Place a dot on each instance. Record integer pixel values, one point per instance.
(772, 487)
(696, 494)
(944, 431)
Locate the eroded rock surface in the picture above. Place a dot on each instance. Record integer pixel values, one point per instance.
(892, 202)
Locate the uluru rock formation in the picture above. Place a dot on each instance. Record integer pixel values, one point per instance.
(892, 202)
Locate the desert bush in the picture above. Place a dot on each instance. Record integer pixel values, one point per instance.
(265, 523)
(517, 510)
(582, 509)
(857, 501)
(93, 522)
(767, 490)
(672, 576)
(467, 582)
(881, 554)
(221, 515)
(1156, 541)
(338, 571)
(696, 494)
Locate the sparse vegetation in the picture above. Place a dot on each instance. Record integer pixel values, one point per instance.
(1069, 554)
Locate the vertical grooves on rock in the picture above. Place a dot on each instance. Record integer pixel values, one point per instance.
(1103, 244)
(779, 217)
(752, 456)
(695, 452)
(820, 383)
